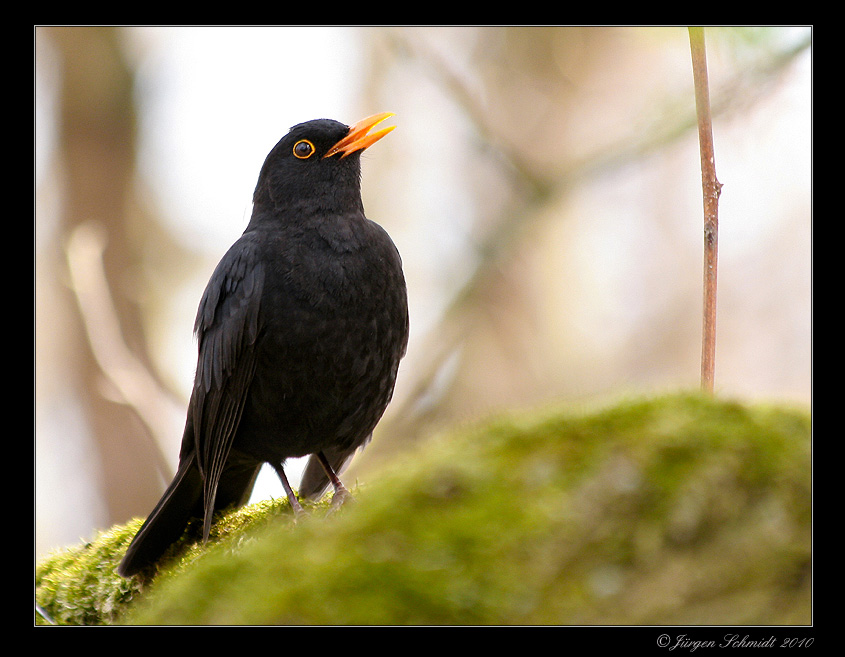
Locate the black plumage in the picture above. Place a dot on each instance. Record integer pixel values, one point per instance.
(300, 332)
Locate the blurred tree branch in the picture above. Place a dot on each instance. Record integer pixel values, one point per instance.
(536, 190)
(96, 157)
(129, 377)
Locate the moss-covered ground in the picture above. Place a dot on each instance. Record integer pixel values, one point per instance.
(679, 509)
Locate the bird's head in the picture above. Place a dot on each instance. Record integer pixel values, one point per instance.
(317, 162)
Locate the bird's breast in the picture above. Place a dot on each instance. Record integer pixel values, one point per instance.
(333, 299)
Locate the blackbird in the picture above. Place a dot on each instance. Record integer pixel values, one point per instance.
(300, 332)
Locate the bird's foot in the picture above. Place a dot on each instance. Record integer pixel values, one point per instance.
(341, 496)
(299, 512)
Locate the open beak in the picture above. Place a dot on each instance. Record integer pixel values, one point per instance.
(357, 138)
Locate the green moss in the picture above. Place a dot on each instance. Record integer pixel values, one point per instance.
(680, 509)
(78, 586)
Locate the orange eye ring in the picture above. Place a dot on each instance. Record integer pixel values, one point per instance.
(303, 149)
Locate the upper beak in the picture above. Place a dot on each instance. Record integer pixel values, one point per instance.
(357, 138)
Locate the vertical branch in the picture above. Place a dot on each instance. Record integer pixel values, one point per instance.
(711, 189)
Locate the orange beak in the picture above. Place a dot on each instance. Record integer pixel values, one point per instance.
(357, 138)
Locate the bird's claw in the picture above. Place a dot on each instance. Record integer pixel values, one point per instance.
(341, 496)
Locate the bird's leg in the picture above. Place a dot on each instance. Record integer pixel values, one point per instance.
(294, 503)
(341, 494)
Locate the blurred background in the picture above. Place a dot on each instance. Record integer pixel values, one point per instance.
(543, 187)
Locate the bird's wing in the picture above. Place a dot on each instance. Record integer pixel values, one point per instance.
(227, 327)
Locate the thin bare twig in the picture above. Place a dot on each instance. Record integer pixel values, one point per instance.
(711, 188)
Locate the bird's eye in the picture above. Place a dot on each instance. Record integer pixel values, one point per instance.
(303, 149)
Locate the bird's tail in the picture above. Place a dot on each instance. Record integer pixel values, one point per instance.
(180, 502)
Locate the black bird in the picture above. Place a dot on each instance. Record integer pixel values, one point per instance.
(300, 332)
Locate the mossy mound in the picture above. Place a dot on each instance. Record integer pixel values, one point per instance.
(675, 510)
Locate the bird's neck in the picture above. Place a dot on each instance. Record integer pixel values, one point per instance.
(333, 191)
(341, 227)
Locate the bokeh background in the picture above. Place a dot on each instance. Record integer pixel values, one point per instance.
(543, 186)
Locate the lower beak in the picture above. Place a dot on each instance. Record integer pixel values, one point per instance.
(357, 138)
